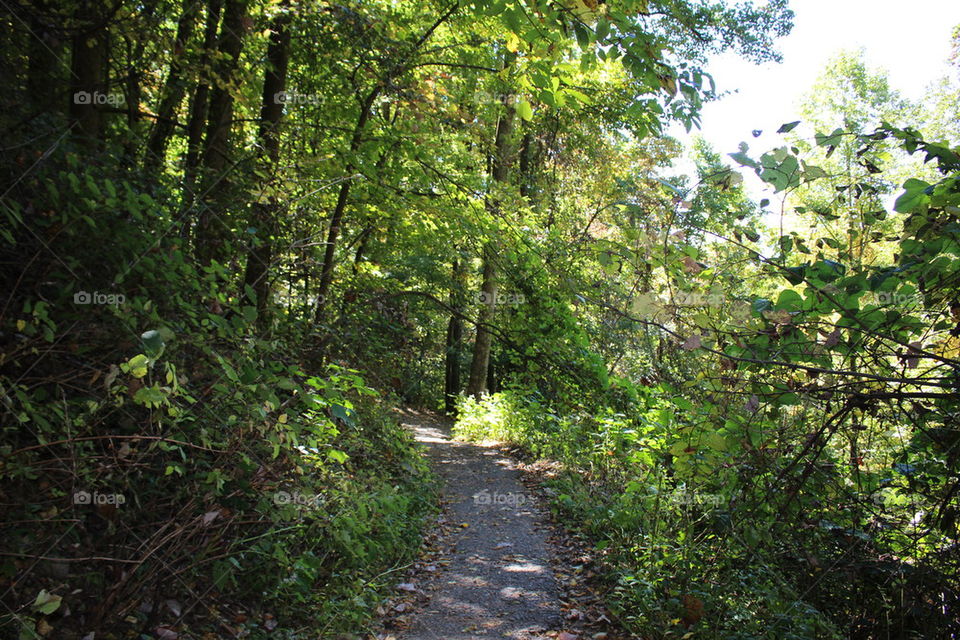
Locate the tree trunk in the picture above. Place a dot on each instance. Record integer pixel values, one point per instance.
(198, 109)
(44, 77)
(477, 383)
(216, 147)
(329, 254)
(491, 374)
(265, 215)
(173, 91)
(500, 167)
(451, 383)
(88, 86)
(365, 236)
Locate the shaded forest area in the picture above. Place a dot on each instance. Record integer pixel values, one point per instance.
(237, 234)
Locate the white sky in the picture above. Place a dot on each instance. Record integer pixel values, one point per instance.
(910, 39)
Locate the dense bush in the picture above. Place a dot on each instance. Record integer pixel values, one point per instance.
(158, 449)
(695, 548)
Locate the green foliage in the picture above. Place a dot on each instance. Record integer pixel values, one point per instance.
(785, 469)
(215, 297)
(207, 427)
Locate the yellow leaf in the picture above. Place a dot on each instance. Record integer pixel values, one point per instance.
(137, 365)
(282, 419)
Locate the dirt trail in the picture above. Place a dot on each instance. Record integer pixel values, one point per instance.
(498, 583)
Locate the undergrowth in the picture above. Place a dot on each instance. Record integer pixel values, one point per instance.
(691, 549)
(175, 460)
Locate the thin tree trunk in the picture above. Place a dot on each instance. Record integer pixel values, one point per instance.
(199, 101)
(365, 236)
(173, 91)
(454, 342)
(209, 241)
(491, 374)
(265, 215)
(500, 168)
(326, 271)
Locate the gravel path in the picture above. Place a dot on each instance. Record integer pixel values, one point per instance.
(498, 583)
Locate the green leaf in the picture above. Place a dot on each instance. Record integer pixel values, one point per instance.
(827, 270)
(789, 300)
(524, 110)
(831, 140)
(580, 96)
(795, 275)
(917, 192)
(153, 343)
(786, 244)
(337, 455)
(603, 28)
(744, 159)
(583, 37)
(343, 413)
(760, 305)
(46, 603)
(788, 127)
(150, 397)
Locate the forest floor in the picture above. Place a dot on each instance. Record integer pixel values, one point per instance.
(497, 568)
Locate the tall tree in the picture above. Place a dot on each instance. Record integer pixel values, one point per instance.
(216, 157)
(173, 90)
(500, 163)
(199, 103)
(88, 70)
(267, 208)
(454, 338)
